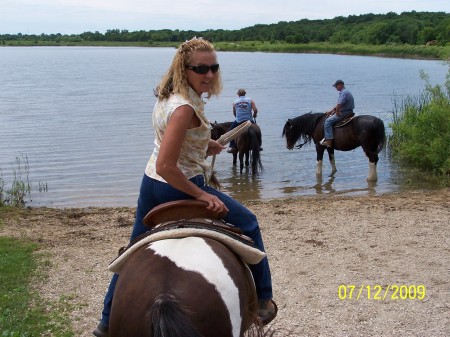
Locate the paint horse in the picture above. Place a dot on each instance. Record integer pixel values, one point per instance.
(185, 277)
(247, 144)
(365, 131)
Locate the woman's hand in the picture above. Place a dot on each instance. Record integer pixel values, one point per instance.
(214, 148)
(214, 203)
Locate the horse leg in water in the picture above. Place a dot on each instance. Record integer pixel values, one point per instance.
(373, 160)
(332, 161)
(320, 151)
(372, 140)
(242, 154)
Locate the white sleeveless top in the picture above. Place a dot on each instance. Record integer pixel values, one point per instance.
(192, 160)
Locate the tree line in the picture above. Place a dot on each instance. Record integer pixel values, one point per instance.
(413, 28)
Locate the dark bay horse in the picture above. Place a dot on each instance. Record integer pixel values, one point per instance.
(365, 131)
(248, 146)
(183, 285)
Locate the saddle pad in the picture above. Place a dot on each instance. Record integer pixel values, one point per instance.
(249, 254)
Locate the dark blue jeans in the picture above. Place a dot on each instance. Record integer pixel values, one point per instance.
(154, 193)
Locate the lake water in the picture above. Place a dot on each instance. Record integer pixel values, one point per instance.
(81, 117)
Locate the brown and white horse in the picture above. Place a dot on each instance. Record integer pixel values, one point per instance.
(185, 286)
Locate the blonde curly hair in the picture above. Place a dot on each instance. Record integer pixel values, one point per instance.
(174, 81)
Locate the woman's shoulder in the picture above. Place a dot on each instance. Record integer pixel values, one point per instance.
(176, 97)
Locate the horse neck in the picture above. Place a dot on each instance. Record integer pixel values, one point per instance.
(306, 126)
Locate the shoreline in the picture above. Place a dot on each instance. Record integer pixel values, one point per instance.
(315, 245)
(288, 198)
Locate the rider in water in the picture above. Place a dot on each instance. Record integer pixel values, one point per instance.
(343, 108)
(242, 110)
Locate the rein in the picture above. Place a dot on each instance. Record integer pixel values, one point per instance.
(299, 146)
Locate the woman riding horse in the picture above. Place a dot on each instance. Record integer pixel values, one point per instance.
(178, 165)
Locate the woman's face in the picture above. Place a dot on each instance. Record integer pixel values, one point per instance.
(201, 82)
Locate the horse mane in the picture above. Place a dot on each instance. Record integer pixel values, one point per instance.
(303, 126)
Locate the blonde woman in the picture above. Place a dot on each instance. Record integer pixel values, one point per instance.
(177, 167)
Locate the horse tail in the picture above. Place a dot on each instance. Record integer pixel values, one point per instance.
(381, 135)
(168, 318)
(255, 159)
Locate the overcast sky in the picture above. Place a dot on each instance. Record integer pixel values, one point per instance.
(78, 16)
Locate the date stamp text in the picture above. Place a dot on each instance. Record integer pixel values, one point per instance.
(391, 292)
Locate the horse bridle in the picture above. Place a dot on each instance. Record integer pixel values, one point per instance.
(299, 146)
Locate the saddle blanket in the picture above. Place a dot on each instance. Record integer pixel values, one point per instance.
(248, 253)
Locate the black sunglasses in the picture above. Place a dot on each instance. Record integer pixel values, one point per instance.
(204, 69)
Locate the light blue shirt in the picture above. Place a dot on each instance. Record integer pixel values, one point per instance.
(346, 100)
(243, 107)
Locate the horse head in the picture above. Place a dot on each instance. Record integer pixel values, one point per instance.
(301, 127)
(218, 129)
(289, 133)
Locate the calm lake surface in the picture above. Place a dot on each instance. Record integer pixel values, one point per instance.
(81, 118)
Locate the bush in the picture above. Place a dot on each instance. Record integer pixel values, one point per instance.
(421, 129)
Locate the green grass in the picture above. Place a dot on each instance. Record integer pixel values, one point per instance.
(398, 51)
(22, 312)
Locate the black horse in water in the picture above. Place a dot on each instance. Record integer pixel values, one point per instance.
(365, 131)
(248, 146)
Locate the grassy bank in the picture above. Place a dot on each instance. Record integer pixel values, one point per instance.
(393, 50)
(22, 311)
(398, 51)
(421, 131)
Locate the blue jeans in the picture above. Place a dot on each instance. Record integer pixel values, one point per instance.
(154, 193)
(331, 120)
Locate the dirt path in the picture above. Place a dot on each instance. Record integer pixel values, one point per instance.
(314, 244)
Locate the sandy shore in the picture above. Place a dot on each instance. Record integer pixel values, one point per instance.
(316, 247)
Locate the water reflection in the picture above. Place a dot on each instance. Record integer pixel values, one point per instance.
(327, 186)
(242, 186)
(371, 187)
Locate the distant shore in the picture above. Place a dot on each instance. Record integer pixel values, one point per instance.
(394, 51)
